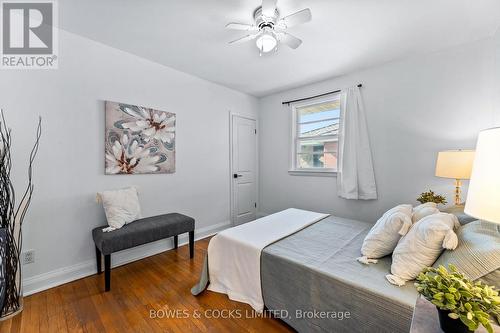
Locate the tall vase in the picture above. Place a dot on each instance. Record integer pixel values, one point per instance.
(11, 295)
(3, 240)
(12, 215)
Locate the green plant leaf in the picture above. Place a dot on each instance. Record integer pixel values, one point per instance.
(438, 296)
(469, 323)
(438, 303)
(474, 303)
(488, 327)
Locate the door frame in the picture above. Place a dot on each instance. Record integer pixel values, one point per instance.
(232, 209)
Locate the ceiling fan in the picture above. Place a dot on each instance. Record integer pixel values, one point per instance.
(269, 29)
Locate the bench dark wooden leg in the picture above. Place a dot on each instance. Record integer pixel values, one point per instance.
(107, 272)
(191, 244)
(98, 258)
(176, 241)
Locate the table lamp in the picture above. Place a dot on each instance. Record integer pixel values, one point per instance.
(483, 198)
(455, 164)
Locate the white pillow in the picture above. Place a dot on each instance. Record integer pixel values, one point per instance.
(120, 206)
(422, 246)
(385, 234)
(423, 210)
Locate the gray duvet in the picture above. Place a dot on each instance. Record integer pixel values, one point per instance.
(313, 275)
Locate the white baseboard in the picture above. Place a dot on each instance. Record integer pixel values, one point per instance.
(67, 274)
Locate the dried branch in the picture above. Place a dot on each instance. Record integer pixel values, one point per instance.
(11, 218)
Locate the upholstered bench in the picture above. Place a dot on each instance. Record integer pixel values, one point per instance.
(140, 232)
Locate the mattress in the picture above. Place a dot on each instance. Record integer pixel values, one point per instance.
(312, 281)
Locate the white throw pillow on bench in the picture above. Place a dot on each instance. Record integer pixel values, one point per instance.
(385, 234)
(120, 206)
(422, 246)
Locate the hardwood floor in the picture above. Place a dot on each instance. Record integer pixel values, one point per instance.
(156, 285)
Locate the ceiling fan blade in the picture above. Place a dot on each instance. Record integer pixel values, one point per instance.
(241, 26)
(289, 40)
(268, 7)
(296, 18)
(244, 39)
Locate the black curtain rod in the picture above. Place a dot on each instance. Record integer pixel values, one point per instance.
(306, 98)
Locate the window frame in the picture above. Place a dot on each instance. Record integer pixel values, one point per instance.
(294, 139)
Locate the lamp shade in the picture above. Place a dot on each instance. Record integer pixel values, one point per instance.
(455, 164)
(483, 198)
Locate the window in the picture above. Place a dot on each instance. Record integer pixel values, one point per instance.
(315, 128)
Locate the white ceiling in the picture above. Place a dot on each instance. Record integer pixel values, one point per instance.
(344, 35)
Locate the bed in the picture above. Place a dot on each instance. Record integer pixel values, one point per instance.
(314, 273)
(311, 278)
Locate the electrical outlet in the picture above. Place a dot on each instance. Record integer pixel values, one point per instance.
(28, 257)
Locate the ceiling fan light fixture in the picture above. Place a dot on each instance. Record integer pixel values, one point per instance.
(269, 28)
(266, 42)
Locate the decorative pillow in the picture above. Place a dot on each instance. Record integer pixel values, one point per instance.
(426, 204)
(385, 234)
(478, 252)
(422, 246)
(423, 210)
(120, 206)
(459, 212)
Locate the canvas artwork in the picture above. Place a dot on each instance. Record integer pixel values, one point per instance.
(139, 140)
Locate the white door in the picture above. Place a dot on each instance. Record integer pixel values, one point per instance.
(244, 167)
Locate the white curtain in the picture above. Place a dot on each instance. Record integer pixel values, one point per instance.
(355, 177)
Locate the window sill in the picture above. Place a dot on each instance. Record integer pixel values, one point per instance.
(313, 173)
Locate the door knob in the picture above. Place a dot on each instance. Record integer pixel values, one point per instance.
(237, 175)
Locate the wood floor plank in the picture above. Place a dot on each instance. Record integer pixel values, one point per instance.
(155, 285)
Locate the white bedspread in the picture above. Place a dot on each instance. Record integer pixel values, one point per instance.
(234, 254)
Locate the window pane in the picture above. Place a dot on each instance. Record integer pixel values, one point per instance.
(319, 111)
(317, 154)
(317, 146)
(316, 136)
(319, 161)
(328, 127)
(318, 116)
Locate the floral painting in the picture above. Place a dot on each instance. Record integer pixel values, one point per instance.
(139, 140)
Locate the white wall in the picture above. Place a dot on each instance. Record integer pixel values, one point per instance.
(415, 108)
(70, 166)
